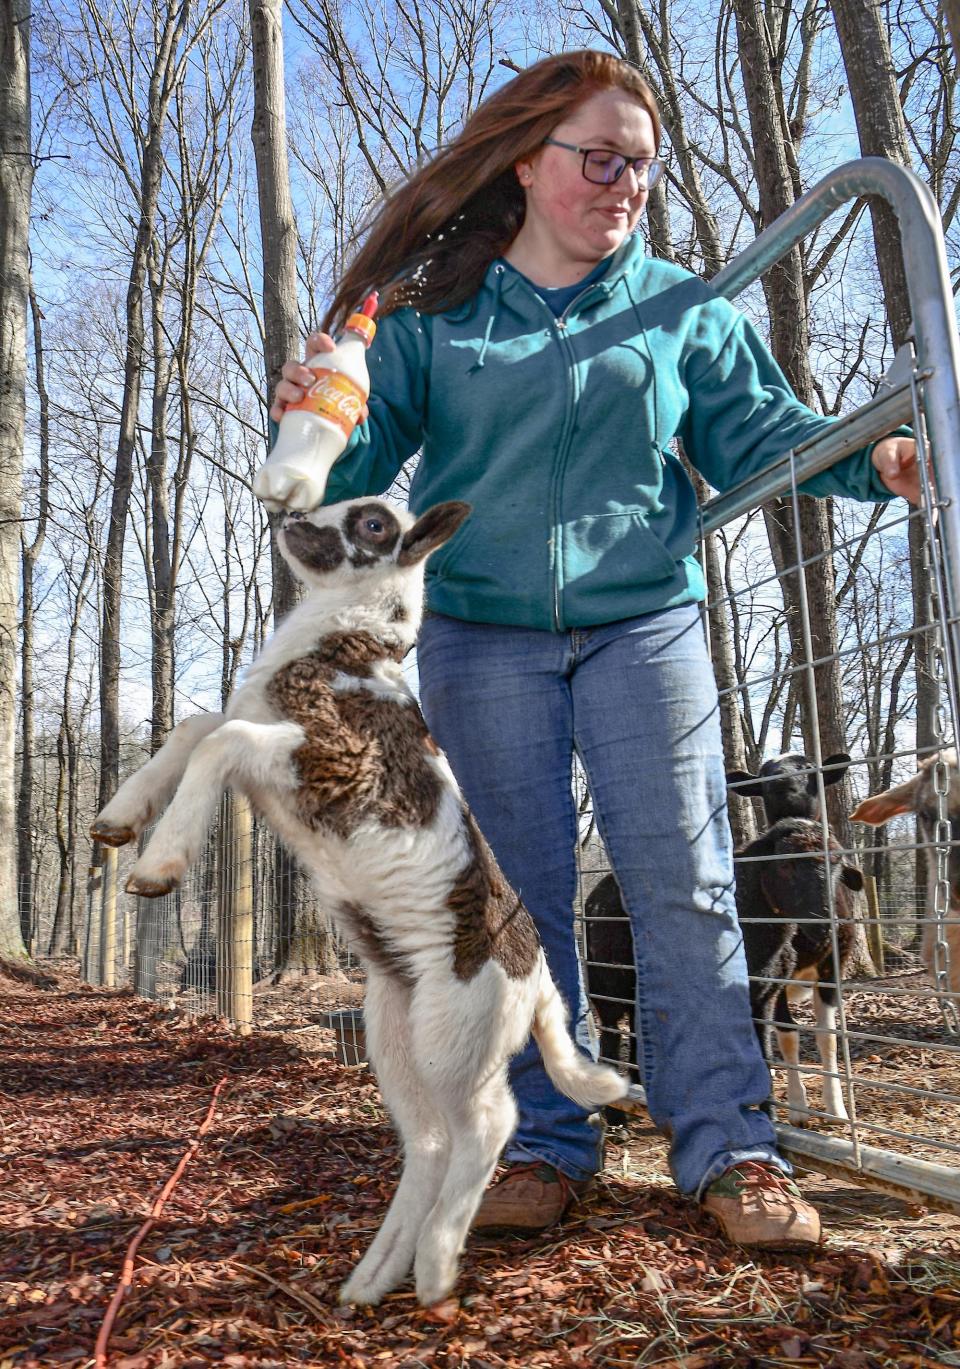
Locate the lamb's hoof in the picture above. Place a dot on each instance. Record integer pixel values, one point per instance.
(433, 1294)
(151, 888)
(112, 833)
(434, 1285)
(354, 1293)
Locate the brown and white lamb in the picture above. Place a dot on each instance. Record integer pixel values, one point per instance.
(326, 739)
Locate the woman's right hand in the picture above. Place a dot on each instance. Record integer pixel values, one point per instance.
(296, 378)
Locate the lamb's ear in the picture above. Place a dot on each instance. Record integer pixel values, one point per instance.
(431, 530)
(744, 785)
(882, 807)
(834, 768)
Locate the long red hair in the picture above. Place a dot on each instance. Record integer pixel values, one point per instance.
(431, 240)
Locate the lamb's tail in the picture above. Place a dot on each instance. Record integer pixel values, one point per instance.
(588, 1084)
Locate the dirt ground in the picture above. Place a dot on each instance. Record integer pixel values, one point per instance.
(101, 1094)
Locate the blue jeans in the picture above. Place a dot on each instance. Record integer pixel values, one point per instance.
(637, 701)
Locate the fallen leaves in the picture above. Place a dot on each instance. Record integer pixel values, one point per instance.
(242, 1269)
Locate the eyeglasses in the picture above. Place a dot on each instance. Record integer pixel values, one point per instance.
(605, 168)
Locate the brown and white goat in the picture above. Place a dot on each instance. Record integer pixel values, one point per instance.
(918, 795)
(326, 739)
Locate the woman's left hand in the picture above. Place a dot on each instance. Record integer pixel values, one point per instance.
(895, 461)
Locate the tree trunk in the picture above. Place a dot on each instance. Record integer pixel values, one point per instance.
(65, 811)
(30, 555)
(16, 185)
(951, 9)
(278, 231)
(161, 86)
(278, 237)
(875, 95)
(785, 292)
(658, 206)
(634, 21)
(722, 657)
(25, 891)
(161, 568)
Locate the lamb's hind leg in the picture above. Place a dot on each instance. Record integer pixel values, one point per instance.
(425, 1144)
(479, 1127)
(464, 1035)
(240, 753)
(147, 792)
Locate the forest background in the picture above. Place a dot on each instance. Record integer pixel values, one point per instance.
(170, 228)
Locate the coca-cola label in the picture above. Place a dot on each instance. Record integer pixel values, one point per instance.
(335, 397)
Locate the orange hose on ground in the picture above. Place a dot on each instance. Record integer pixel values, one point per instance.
(126, 1276)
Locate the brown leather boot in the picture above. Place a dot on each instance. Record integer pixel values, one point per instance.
(527, 1197)
(756, 1204)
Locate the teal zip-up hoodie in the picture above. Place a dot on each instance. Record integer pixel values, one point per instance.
(558, 432)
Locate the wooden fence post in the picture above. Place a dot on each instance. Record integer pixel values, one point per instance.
(108, 920)
(874, 929)
(94, 891)
(235, 914)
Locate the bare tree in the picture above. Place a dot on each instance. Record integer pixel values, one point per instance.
(126, 107)
(16, 182)
(278, 233)
(875, 94)
(761, 35)
(31, 547)
(197, 182)
(951, 11)
(69, 737)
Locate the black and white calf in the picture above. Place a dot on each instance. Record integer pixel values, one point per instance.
(783, 885)
(326, 739)
(785, 889)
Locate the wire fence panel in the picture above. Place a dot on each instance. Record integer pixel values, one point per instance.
(244, 937)
(882, 1066)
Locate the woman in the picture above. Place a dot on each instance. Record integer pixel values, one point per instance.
(545, 366)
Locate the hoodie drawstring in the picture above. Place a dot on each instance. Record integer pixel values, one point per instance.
(498, 272)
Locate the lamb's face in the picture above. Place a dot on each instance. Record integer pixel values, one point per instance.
(362, 538)
(342, 539)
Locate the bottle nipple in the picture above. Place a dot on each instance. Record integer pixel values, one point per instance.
(362, 322)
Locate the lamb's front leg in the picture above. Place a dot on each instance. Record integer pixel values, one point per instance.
(147, 792)
(788, 1039)
(238, 753)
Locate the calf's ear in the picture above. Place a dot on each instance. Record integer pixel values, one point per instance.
(882, 807)
(834, 768)
(431, 530)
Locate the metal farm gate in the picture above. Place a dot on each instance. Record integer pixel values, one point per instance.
(898, 1047)
(898, 1032)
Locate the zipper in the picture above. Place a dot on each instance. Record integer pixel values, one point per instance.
(558, 326)
(559, 332)
(560, 464)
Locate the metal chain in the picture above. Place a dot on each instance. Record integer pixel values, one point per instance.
(941, 785)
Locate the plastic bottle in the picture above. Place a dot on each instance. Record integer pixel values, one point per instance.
(314, 432)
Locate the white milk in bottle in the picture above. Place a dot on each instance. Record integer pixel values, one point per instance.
(314, 432)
